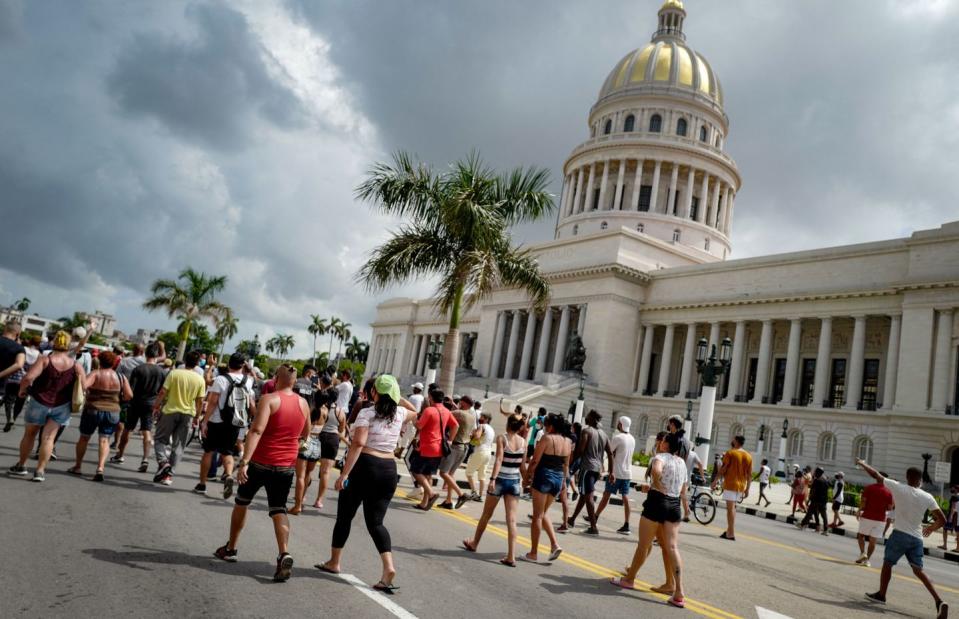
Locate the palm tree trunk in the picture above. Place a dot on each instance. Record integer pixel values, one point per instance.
(329, 358)
(181, 349)
(451, 348)
(314, 350)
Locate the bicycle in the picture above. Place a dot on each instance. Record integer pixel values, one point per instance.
(702, 504)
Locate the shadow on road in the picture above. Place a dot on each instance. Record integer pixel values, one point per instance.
(860, 605)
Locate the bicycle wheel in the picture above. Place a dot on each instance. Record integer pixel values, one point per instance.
(704, 508)
(718, 490)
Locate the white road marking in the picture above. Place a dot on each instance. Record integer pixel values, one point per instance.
(376, 596)
(765, 613)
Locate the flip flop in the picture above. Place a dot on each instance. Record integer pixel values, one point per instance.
(724, 536)
(676, 603)
(507, 562)
(528, 560)
(618, 582)
(431, 502)
(322, 567)
(662, 589)
(555, 554)
(384, 588)
(74, 470)
(467, 545)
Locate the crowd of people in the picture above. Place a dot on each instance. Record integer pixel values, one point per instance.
(270, 434)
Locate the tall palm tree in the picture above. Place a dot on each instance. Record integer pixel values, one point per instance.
(22, 305)
(191, 297)
(316, 327)
(342, 334)
(226, 328)
(354, 348)
(332, 329)
(281, 344)
(458, 230)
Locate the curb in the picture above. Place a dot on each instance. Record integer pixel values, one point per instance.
(938, 553)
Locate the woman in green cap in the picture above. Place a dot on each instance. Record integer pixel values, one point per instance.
(369, 475)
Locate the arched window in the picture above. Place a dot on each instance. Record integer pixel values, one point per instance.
(630, 123)
(603, 226)
(663, 423)
(608, 127)
(575, 229)
(717, 140)
(827, 447)
(681, 127)
(736, 430)
(862, 448)
(794, 443)
(676, 235)
(703, 134)
(640, 228)
(643, 429)
(656, 123)
(706, 244)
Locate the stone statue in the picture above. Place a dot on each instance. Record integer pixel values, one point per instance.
(575, 353)
(468, 353)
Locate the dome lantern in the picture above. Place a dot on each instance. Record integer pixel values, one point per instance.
(671, 16)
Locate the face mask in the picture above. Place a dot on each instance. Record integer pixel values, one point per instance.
(202, 363)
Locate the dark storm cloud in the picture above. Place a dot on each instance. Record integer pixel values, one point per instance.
(203, 89)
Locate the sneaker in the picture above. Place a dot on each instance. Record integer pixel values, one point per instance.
(200, 489)
(38, 476)
(17, 470)
(143, 467)
(862, 559)
(866, 563)
(53, 455)
(461, 501)
(164, 471)
(445, 505)
(167, 480)
(591, 531)
(875, 597)
(225, 553)
(562, 528)
(8, 426)
(476, 498)
(228, 487)
(623, 529)
(942, 610)
(116, 460)
(284, 567)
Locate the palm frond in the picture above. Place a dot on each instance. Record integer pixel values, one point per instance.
(411, 252)
(405, 188)
(522, 196)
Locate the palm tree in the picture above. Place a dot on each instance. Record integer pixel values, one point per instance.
(191, 297)
(332, 329)
(458, 231)
(317, 327)
(342, 334)
(226, 328)
(22, 305)
(356, 350)
(281, 344)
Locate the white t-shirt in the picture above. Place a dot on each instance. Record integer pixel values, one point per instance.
(221, 385)
(417, 401)
(693, 462)
(911, 506)
(487, 438)
(622, 445)
(383, 435)
(764, 474)
(344, 391)
(674, 474)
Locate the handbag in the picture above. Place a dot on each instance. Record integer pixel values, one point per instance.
(310, 448)
(79, 398)
(444, 442)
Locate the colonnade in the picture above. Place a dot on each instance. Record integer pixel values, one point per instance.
(387, 346)
(526, 345)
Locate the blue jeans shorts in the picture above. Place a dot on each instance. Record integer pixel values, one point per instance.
(505, 487)
(37, 414)
(902, 544)
(102, 422)
(620, 486)
(548, 481)
(588, 482)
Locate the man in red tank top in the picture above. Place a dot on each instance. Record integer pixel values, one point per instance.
(281, 423)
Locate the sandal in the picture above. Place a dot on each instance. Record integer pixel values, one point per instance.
(621, 583)
(507, 562)
(555, 554)
(680, 603)
(468, 545)
(318, 504)
(98, 476)
(322, 567)
(388, 589)
(74, 470)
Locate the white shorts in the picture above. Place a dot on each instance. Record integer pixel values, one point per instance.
(871, 528)
(732, 495)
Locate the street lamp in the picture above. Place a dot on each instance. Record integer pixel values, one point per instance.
(781, 467)
(710, 369)
(432, 360)
(761, 445)
(580, 401)
(688, 423)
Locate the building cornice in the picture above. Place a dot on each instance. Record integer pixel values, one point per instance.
(825, 296)
(612, 268)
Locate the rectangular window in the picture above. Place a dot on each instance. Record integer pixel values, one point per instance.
(870, 384)
(645, 194)
(622, 193)
(751, 378)
(808, 382)
(779, 380)
(596, 204)
(651, 377)
(837, 384)
(725, 384)
(694, 208)
(675, 202)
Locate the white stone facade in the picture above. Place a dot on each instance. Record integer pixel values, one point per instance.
(856, 346)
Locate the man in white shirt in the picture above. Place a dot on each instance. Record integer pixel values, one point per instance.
(912, 503)
(483, 438)
(344, 391)
(763, 482)
(621, 448)
(409, 429)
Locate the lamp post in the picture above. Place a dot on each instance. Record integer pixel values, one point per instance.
(710, 369)
(432, 360)
(761, 445)
(580, 401)
(781, 467)
(688, 423)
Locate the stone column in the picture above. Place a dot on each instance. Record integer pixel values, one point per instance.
(715, 208)
(620, 178)
(654, 197)
(736, 368)
(940, 363)
(527, 356)
(892, 364)
(667, 360)
(637, 185)
(822, 361)
(578, 196)
(588, 198)
(511, 347)
(854, 376)
(564, 195)
(792, 362)
(414, 355)
(689, 354)
(647, 358)
(559, 357)
(603, 186)
(544, 337)
(765, 355)
(581, 323)
(391, 365)
(688, 202)
(421, 363)
(673, 186)
(713, 337)
(721, 224)
(703, 199)
(493, 371)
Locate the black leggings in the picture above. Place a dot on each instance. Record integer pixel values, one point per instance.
(815, 511)
(12, 402)
(372, 482)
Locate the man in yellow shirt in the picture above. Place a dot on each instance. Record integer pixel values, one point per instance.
(181, 403)
(737, 472)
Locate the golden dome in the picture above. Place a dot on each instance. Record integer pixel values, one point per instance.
(664, 63)
(672, 4)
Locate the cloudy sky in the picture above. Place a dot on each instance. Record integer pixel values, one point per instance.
(137, 138)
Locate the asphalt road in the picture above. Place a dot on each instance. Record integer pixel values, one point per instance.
(128, 547)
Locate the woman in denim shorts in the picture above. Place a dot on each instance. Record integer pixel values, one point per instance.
(101, 414)
(508, 469)
(548, 471)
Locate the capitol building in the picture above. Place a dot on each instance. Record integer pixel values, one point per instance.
(854, 346)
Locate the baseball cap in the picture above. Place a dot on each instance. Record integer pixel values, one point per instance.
(418, 386)
(625, 422)
(387, 385)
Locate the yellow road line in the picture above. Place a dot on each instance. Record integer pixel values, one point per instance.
(694, 605)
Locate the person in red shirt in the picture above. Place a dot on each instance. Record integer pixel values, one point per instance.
(433, 422)
(272, 444)
(875, 501)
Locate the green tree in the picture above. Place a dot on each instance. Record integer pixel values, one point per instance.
(190, 298)
(356, 350)
(69, 323)
(226, 328)
(280, 344)
(342, 334)
(316, 327)
(22, 305)
(332, 328)
(457, 230)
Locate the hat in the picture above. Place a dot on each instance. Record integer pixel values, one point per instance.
(839, 475)
(168, 362)
(625, 422)
(387, 385)
(468, 400)
(418, 386)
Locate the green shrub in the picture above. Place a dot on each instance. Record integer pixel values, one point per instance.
(641, 459)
